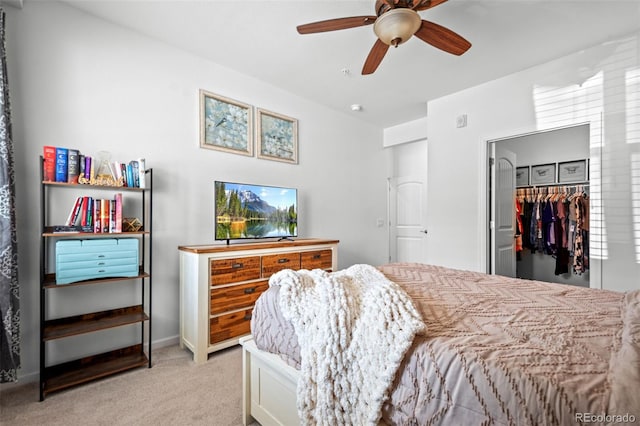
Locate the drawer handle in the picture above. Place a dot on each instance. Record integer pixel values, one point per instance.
(101, 271)
(101, 263)
(101, 255)
(237, 265)
(285, 260)
(317, 256)
(249, 290)
(247, 317)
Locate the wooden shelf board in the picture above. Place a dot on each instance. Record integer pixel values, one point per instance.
(96, 321)
(50, 280)
(48, 232)
(241, 245)
(72, 373)
(89, 187)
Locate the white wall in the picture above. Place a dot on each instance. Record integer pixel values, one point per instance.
(77, 81)
(564, 144)
(411, 131)
(600, 85)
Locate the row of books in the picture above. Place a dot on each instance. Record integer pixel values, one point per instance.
(68, 165)
(96, 215)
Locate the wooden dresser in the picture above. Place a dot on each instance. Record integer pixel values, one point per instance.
(219, 285)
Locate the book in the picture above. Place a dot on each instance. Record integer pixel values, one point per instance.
(71, 229)
(75, 212)
(112, 215)
(142, 180)
(89, 214)
(49, 166)
(130, 181)
(62, 158)
(96, 215)
(118, 209)
(73, 165)
(123, 170)
(117, 170)
(81, 161)
(83, 211)
(105, 209)
(92, 171)
(135, 173)
(87, 167)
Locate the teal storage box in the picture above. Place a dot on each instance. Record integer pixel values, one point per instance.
(79, 260)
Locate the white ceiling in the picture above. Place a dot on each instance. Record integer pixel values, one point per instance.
(259, 38)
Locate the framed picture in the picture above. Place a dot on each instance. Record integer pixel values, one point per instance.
(522, 176)
(572, 171)
(277, 137)
(543, 174)
(225, 124)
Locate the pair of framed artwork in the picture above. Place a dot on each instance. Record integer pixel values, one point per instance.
(545, 174)
(228, 125)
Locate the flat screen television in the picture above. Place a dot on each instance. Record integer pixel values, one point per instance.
(246, 211)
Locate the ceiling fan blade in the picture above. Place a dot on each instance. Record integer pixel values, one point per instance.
(419, 5)
(442, 38)
(336, 24)
(376, 54)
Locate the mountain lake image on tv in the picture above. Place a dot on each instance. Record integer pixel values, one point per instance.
(254, 211)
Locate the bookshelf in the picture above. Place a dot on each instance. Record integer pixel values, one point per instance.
(59, 330)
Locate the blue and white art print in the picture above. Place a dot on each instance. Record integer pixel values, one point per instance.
(277, 137)
(225, 124)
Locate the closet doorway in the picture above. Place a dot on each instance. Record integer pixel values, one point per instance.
(551, 177)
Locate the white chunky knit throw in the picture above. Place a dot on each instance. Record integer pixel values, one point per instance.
(354, 327)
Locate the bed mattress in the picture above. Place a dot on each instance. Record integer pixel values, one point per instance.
(499, 350)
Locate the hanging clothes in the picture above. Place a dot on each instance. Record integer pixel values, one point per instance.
(525, 219)
(581, 244)
(554, 220)
(562, 252)
(519, 230)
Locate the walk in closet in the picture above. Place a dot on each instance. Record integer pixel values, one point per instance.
(552, 205)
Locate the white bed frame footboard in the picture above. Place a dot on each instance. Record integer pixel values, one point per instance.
(268, 387)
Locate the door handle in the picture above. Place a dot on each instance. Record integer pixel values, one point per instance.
(424, 231)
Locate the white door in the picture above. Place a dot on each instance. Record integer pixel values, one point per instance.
(407, 212)
(503, 217)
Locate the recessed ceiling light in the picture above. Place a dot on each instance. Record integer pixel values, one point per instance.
(356, 107)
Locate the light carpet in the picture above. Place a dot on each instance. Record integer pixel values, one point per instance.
(175, 391)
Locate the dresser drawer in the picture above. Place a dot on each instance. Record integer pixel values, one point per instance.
(276, 262)
(235, 297)
(318, 259)
(228, 326)
(226, 271)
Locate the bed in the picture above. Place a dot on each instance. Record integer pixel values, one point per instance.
(493, 350)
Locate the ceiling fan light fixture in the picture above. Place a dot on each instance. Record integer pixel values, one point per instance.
(397, 26)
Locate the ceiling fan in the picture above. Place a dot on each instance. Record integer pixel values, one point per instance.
(396, 21)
